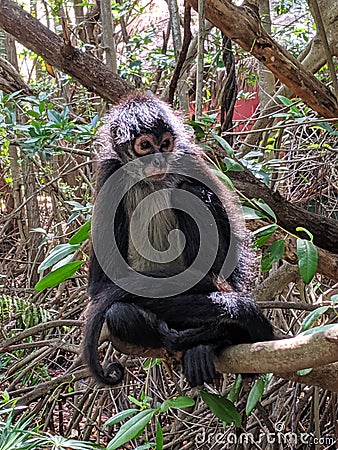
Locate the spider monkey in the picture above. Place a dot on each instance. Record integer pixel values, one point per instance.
(200, 318)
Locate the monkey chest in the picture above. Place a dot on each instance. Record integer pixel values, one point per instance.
(154, 241)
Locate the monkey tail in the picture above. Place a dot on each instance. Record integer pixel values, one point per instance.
(113, 373)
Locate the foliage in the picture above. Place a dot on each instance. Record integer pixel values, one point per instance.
(44, 130)
(139, 419)
(21, 435)
(52, 133)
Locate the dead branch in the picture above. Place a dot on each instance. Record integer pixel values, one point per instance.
(38, 329)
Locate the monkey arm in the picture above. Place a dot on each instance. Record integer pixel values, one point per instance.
(190, 228)
(96, 276)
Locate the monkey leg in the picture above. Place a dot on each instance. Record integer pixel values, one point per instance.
(134, 325)
(208, 323)
(233, 316)
(198, 365)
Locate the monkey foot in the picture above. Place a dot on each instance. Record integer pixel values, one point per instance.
(198, 365)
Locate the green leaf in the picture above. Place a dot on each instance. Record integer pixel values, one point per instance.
(276, 250)
(263, 234)
(254, 154)
(33, 113)
(159, 436)
(307, 259)
(224, 144)
(305, 231)
(296, 111)
(58, 276)
(177, 403)
(222, 177)
(254, 396)
(325, 126)
(317, 329)
(233, 165)
(120, 416)
(223, 408)
(265, 207)
(234, 391)
(135, 401)
(81, 235)
(286, 101)
(311, 318)
(273, 254)
(63, 262)
(53, 116)
(334, 299)
(266, 230)
(149, 363)
(131, 429)
(58, 253)
(251, 213)
(262, 240)
(303, 372)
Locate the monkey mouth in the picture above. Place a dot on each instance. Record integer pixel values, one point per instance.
(154, 174)
(157, 176)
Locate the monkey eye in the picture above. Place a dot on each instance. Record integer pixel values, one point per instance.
(167, 143)
(145, 145)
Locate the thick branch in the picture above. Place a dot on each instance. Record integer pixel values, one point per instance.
(289, 216)
(84, 67)
(245, 29)
(284, 356)
(327, 262)
(10, 80)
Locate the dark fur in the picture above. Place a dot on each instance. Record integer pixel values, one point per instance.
(206, 318)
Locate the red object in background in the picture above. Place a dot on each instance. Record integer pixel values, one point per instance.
(246, 111)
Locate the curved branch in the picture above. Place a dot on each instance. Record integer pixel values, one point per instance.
(285, 356)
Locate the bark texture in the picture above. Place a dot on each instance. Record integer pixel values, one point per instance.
(84, 67)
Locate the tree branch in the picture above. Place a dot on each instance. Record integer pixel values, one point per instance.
(84, 67)
(10, 80)
(327, 261)
(285, 356)
(289, 216)
(244, 28)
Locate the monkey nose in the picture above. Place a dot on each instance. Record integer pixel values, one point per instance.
(156, 163)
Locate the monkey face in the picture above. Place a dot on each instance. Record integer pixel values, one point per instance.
(155, 146)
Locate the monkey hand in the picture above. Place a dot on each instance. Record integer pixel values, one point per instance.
(198, 365)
